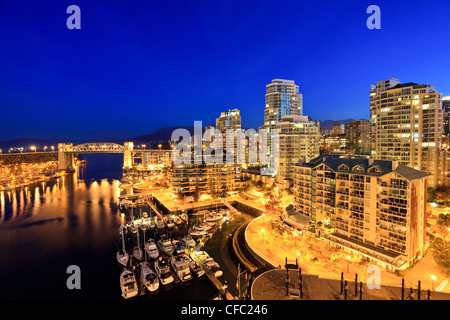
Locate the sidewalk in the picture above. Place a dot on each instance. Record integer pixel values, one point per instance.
(317, 258)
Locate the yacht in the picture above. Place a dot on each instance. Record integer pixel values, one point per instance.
(159, 222)
(128, 284)
(151, 223)
(152, 249)
(179, 246)
(180, 266)
(169, 221)
(165, 245)
(207, 226)
(163, 271)
(209, 262)
(197, 232)
(196, 268)
(122, 256)
(214, 216)
(149, 278)
(189, 241)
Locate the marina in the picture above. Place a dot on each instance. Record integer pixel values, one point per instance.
(79, 218)
(172, 250)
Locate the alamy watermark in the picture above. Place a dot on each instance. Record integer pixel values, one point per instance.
(233, 146)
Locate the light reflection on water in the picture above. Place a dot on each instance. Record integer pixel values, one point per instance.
(48, 226)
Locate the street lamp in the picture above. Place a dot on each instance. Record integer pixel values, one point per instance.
(295, 238)
(262, 233)
(348, 264)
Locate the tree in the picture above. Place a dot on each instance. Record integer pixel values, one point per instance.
(441, 255)
(273, 205)
(196, 192)
(211, 189)
(180, 196)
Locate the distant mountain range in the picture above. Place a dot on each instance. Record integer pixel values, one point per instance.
(160, 135)
(328, 124)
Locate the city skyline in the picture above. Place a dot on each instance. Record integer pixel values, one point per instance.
(83, 83)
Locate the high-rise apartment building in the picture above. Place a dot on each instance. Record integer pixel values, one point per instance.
(282, 98)
(407, 125)
(376, 208)
(337, 128)
(358, 136)
(299, 139)
(230, 119)
(446, 109)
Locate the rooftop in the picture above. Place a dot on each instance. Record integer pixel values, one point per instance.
(383, 167)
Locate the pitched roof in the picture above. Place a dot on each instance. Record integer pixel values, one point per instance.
(334, 161)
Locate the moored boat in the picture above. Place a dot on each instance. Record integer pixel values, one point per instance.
(149, 278)
(165, 245)
(162, 270)
(128, 284)
(180, 266)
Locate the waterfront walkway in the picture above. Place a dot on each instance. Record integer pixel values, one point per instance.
(316, 257)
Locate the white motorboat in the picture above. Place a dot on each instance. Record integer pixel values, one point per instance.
(152, 249)
(177, 220)
(149, 278)
(207, 226)
(209, 262)
(213, 216)
(143, 224)
(122, 256)
(169, 221)
(180, 266)
(196, 268)
(165, 245)
(189, 241)
(128, 284)
(179, 246)
(159, 222)
(197, 232)
(151, 223)
(162, 270)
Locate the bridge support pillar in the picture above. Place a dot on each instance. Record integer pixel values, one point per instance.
(65, 160)
(127, 158)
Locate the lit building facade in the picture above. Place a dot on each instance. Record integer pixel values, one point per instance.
(407, 125)
(357, 134)
(230, 119)
(209, 178)
(446, 109)
(338, 128)
(282, 98)
(299, 139)
(376, 208)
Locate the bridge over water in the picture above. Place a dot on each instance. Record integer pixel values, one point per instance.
(67, 151)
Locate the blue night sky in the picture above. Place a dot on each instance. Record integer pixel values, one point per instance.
(137, 66)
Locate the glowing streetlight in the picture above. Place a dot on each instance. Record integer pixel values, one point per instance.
(262, 234)
(348, 264)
